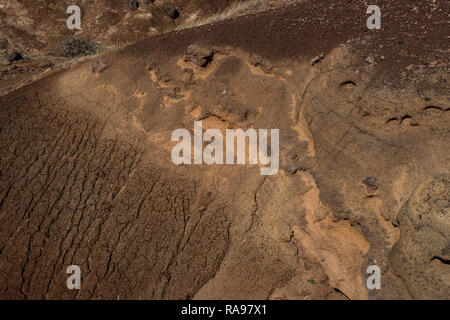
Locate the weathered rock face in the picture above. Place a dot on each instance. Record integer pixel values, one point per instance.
(422, 256)
(87, 178)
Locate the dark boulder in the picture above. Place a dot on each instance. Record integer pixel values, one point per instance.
(170, 9)
(134, 5)
(15, 56)
(371, 182)
(199, 56)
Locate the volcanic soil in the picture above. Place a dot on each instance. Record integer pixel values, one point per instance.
(86, 176)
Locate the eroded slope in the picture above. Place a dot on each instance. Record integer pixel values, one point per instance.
(87, 178)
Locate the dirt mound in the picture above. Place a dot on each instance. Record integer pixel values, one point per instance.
(86, 176)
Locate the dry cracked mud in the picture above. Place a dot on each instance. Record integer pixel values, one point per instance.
(86, 176)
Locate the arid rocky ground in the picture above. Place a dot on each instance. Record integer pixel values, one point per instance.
(86, 176)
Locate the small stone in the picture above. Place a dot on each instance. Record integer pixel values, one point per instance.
(15, 56)
(292, 169)
(99, 66)
(370, 59)
(317, 59)
(47, 64)
(371, 182)
(433, 64)
(134, 5)
(256, 61)
(170, 9)
(199, 56)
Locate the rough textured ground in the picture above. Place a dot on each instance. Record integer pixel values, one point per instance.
(86, 176)
(37, 29)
